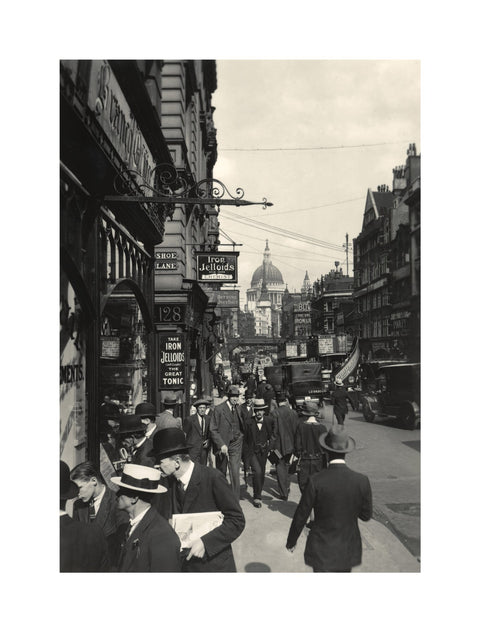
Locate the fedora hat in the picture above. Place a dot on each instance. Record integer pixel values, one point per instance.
(337, 440)
(168, 441)
(140, 478)
(259, 404)
(199, 402)
(233, 391)
(169, 400)
(130, 424)
(145, 409)
(68, 489)
(310, 408)
(338, 382)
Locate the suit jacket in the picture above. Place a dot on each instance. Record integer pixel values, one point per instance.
(140, 456)
(83, 547)
(222, 424)
(167, 420)
(338, 496)
(108, 518)
(256, 441)
(193, 433)
(153, 547)
(208, 490)
(285, 422)
(339, 397)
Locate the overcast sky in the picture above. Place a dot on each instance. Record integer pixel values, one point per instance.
(318, 118)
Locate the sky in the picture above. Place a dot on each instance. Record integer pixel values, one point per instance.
(311, 136)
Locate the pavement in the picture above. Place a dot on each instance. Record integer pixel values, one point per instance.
(261, 546)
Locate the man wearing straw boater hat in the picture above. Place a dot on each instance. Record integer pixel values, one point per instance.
(196, 488)
(339, 398)
(339, 497)
(258, 440)
(150, 544)
(197, 431)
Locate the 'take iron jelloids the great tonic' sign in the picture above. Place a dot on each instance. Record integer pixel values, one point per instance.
(171, 374)
(218, 267)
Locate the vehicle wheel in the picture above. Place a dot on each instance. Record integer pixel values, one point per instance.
(367, 411)
(408, 418)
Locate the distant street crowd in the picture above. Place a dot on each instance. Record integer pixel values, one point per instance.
(178, 484)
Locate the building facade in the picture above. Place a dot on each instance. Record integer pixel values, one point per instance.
(119, 253)
(387, 267)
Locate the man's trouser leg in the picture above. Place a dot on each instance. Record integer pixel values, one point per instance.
(221, 463)
(234, 459)
(258, 464)
(282, 476)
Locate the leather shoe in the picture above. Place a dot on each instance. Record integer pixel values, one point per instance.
(257, 503)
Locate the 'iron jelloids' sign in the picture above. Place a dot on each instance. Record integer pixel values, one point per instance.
(221, 267)
(171, 361)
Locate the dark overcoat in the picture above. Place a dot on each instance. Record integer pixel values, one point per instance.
(109, 518)
(194, 437)
(83, 547)
(153, 547)
(285, 422)
(339, 497)
(256, 441)
(223, 423)
(208, 490)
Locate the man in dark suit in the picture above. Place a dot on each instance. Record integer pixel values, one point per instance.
(258, 442)
(285, 422)
(150, 544)
(197, 431)
(195, 488)
(339, 397)
(338, 496)
(131, 434)
(226, 430)
(147, 413)
(97, 504)
(247, 413)
(83, 547)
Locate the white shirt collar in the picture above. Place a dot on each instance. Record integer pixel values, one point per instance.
(187, 475)
(134, 521)
(149, 433)
(98, 499)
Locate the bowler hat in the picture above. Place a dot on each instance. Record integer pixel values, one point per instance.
(68, 489)
(281, 397)
(199, 402)
(233, 391)
(109, 411)
(337, 440)
(140, 478)
(145, 409)
(168, 441)
(130, 424)
(169, 400)
(259, 404)
(310, 408)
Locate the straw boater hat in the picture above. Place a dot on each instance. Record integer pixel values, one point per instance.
(168, 441)
(337, 440)
(68, 489)
(199, 402)
(145, 409)
(338, 382)
(140, 478)
(259, 404)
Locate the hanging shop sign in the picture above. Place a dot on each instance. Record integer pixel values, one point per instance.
(166, 260)
(219, 267)
(171, 373)
(113, 114)
(224, 298)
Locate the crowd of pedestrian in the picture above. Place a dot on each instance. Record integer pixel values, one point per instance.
(164, 467)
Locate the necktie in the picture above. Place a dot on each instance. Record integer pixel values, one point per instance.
(202, 424)
(91, 510)
(180, 494)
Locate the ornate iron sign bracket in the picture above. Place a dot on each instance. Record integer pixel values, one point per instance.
(169, 188)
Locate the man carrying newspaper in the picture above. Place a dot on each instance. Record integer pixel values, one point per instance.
(205, 512)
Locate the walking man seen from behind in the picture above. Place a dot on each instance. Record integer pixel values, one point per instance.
(339, 497)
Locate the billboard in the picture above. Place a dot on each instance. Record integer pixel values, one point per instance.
(218, 267)
(225, 298)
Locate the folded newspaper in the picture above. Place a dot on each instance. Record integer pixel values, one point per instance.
(191, 526)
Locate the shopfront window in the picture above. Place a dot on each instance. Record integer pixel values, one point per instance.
(123, 351)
